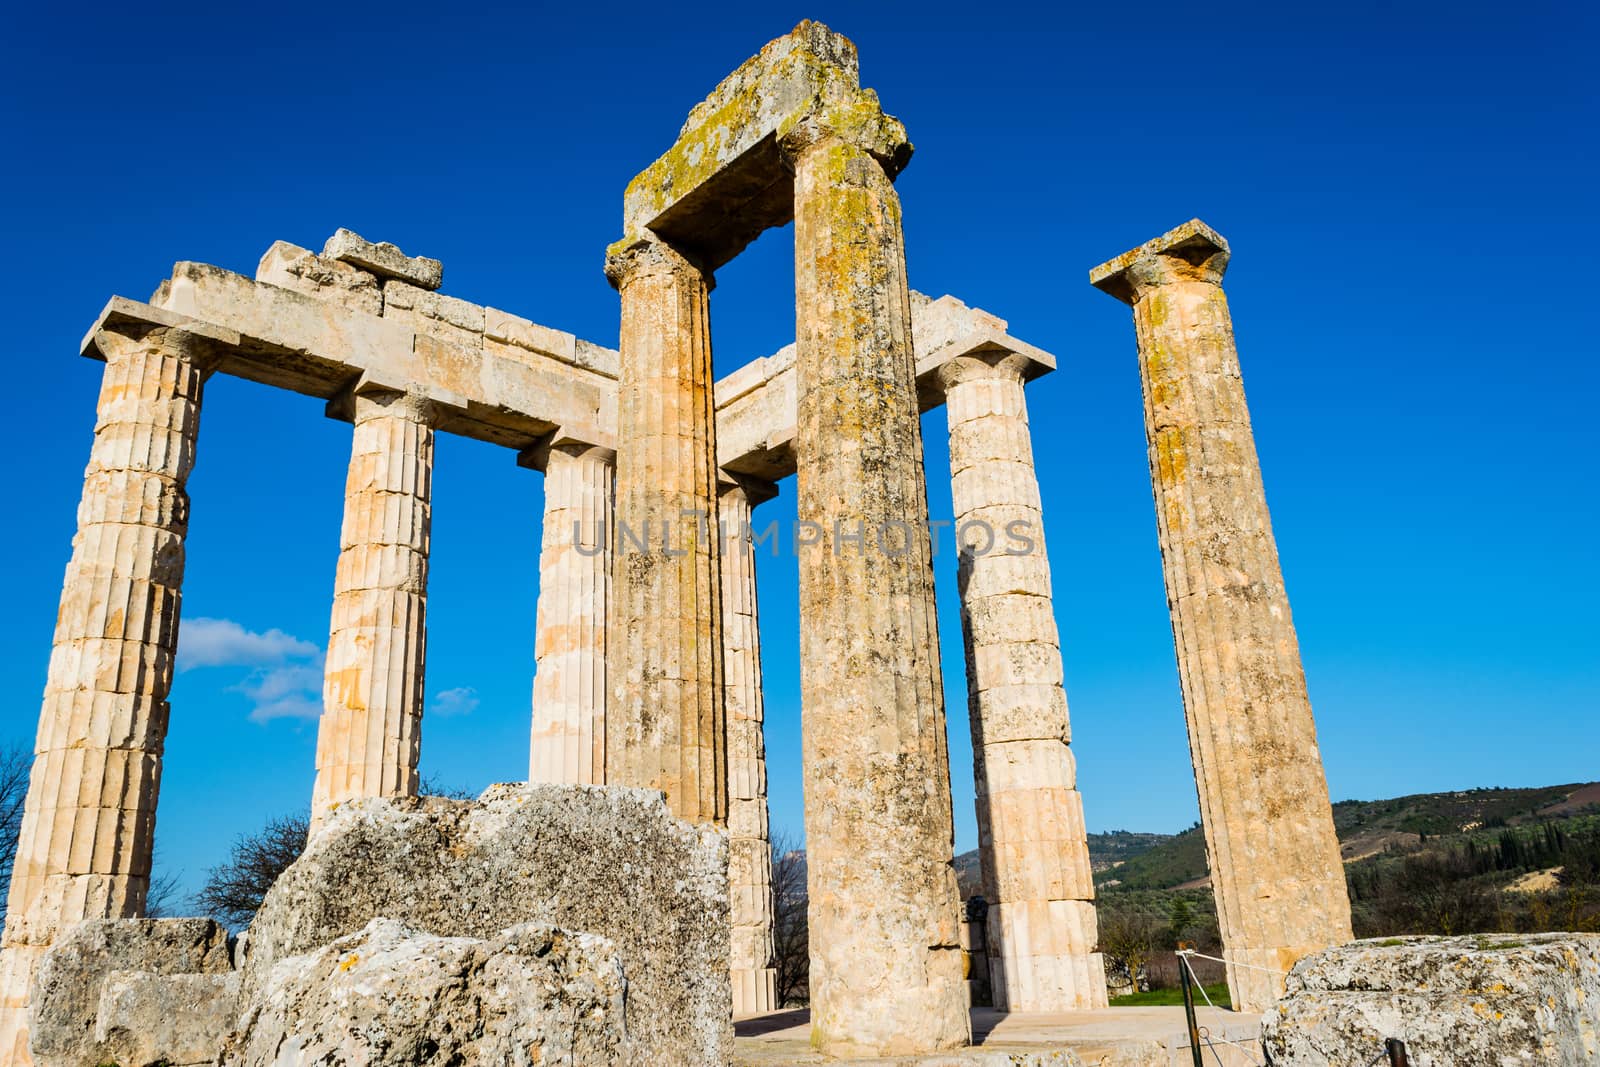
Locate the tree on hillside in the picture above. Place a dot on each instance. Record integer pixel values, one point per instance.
(15, 764)
(162, 900)
(791, 952)
(235, 888)
(1129, 938)
(1430, 893)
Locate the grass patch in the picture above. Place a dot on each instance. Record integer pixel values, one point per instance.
(1217, 991)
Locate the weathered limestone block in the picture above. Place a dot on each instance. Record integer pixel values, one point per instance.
(370, 735)
(1031, 833)
(1495, 1000)
(292, 267)
(384, 260)
(134, 991)
(392, 996)
(603, 860)
(665, 725)
(88, 823)
(749, 844)
(886, 963)
(1274, 859)
(519, 338)
(170, 1020)
(568, 742)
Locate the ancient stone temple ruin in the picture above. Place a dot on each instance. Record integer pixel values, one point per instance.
(648, 660)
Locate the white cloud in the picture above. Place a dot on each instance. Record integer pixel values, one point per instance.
(285, 676)
(299, 706)
(292, 692)
(224, 643)
(459, 701)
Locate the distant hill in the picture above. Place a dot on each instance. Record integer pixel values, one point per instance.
(1370, 828)
(1106, 851)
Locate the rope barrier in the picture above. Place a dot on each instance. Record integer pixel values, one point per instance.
(1235, 963)
(1183, 957)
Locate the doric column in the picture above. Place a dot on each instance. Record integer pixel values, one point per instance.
(1263, 796)
(371, 729)
(89, 820)
(569, 682)
(1031, 836)
(749, 844)
(886, 964)
(665, 726)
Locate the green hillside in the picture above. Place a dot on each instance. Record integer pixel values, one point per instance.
(1105, 852)
(1373, 828)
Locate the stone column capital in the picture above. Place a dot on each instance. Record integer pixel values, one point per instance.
(986, 365)
(128, 339)
(860, 123)
(756, 490)
(641, 256)
(1193, 252)
(537, 456)
(365, 401)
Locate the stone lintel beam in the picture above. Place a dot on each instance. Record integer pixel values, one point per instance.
(1194, 251)
(725, 180)
(526, 386)
(756, 404)
(502, 383)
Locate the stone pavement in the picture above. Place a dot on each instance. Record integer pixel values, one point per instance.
(1106, 1037)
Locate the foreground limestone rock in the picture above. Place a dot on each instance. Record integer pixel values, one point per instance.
(606, 861)
(391, 995)
(133, 992)
(1486, 999)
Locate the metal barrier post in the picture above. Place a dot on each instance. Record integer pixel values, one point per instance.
(1188, 1005)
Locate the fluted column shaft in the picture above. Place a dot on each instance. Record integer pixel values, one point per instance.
(371, 730)
(886, 966)
(88, 825)
(665, 725)
(1274, 857)
(1031, 835)
(749, 843)
(569, 682)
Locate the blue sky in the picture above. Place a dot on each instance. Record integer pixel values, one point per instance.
(1408, 189)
